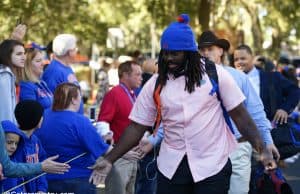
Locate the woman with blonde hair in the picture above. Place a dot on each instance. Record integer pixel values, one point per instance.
(32, 87)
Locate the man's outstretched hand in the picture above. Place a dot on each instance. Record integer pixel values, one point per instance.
(100, 170)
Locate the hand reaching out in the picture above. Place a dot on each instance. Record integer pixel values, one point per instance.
(272, 149)
(134, 154)
(19, 32)
(50, 166)
(100, 170)
(266, 158)
(145, 146)
(281, 116)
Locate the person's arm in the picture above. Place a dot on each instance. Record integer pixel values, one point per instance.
(142, 117)
(255, 108)
(248, 129)
(156, 139)
(6, 100)
(148, 143)
(291, 94)
(103, 129)
(19, 32)
(130, 138)
(12, 169)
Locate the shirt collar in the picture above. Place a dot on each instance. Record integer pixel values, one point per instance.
(253, 73)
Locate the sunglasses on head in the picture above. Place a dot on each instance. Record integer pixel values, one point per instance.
(32, 46)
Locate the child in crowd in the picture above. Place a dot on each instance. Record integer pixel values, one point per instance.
(12, 139)
(29, 115)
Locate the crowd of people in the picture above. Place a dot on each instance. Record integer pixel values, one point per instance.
(191, 121)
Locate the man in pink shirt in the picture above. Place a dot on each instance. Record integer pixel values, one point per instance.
(194, 154)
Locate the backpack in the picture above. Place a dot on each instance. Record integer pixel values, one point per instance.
(286, 137)
(271, 182)
(211, 71)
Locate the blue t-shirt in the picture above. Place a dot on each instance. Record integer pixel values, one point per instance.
(30, 150)
(36, 91)
(70, 134)
(57, 73)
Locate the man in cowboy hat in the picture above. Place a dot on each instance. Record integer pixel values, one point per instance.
(212, 47)
(215, 49)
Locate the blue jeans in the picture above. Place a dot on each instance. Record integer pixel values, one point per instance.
(76, 185)
(146, 175)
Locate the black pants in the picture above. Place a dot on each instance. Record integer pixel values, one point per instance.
(182, 182)
(76, 186)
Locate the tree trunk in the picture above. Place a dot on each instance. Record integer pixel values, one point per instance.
(204, 9)
(256, 28)
(276, 43)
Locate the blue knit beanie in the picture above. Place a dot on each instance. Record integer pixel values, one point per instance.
(10, 127)
(179, 36)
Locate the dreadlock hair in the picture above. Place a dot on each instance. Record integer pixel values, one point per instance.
(193, 70)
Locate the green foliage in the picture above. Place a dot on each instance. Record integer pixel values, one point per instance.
(89, 20)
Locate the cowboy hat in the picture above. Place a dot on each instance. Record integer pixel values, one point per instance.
(208, 38)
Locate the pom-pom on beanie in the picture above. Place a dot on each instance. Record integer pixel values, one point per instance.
(179, 36)
(28, 114)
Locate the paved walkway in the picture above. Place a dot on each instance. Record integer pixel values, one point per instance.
(292, 174)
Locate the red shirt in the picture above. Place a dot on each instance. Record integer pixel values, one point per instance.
(115, 109)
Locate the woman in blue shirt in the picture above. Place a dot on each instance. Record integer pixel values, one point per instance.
(69, 134)
(32, 87)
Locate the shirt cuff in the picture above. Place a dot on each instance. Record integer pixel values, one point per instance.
(267, 137)
(156, 140)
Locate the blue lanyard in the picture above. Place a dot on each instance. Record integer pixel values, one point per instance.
(131, 96)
